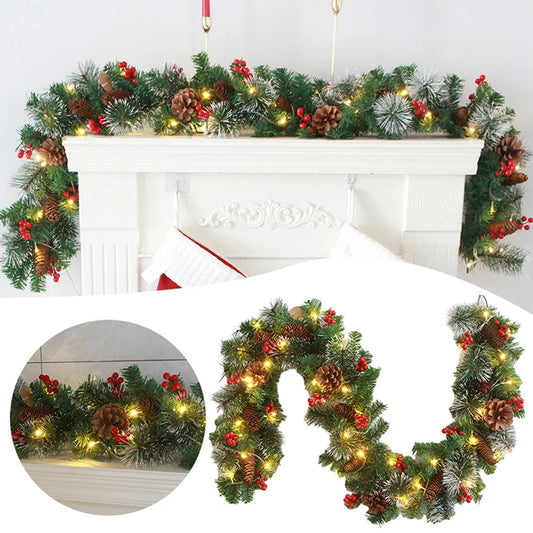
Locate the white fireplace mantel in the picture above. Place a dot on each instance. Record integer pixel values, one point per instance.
(265, 203)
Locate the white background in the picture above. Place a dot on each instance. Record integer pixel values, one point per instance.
(43, 42)
(400, 309)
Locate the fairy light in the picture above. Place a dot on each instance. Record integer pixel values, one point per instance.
(361, 454)
(69, 88)
(92, 444)
(403, 92)
(229, 474)
(256, 324)
(314, 382)
(348, 101)
(80, 132)
(314, 316)
(70, 202)
(206, 94)
(502, 356)
(418, 485)
(40, 214)
(472, 130)
(282, 121)
(267, 465)
(429, 114)
(252, 90)
(267, 363)
(134, 413)
(473, 440)
(244, 455)
(486, 314)
(182, 410)
(346, 434)
(434, 461)
(392, 461)
(345, 389)
(282, 344)
(173, 123)
(39, 433)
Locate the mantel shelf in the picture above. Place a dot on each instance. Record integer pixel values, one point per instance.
(148, 153)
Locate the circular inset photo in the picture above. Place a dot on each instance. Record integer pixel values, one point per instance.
(107, 417)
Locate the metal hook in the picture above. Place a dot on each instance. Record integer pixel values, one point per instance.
(350, 180)
(176, 206)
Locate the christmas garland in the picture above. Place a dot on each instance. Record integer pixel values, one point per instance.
(128, 418)
(42, 233)
(340, 378)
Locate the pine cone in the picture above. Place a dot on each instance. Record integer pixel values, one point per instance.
(329, 377)
(376, 503)
(52, 152)
(510, 148)
(354, 464)
(222, 90)
(460, 116)
(345, 410)
(105, 82)
(297, 329)
(383, 91)
(111, 97)
(498, 415)
(508, 226)
(248, 469)
(484, 387)
(515, 179)
(80, 107)
(484, 449)
(149, 406)
(261, 336)
(434, 487)
(251, 417)
(35, 414)
(297, 313)
(184, 104)
(255, 374)
(41, 255)
(283, 104)
(490, 333)
(51, 208)
(108, 416)
(325, 118)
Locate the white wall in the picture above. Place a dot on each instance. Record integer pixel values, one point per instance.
(42, 42)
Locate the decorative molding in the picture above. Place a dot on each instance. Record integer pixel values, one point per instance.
(272, 213)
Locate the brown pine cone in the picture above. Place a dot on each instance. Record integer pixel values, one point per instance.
(52, 152)
(248, 469)
(80, 107)
(510, 148)
(376, 503)
(484, 449)
(283, 104)
(498, 415)
(297, 313)
(51, 208)
(223, 90)
(484, 387)
(108, 416)
(329, 377)
(41, 255)
(184, 103)
(508, 227)
(149, 406)
(251, 417)
(354, 464)
(460, 116)
(345, 410)
(434, 487)
(490, 333)
(297, 329)
(325, 118)
(261, 336)
(383, 91)
(35, 414)
(515, 179)
(255, 374)
(111, 97)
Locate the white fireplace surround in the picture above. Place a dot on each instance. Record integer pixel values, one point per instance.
(265, 203)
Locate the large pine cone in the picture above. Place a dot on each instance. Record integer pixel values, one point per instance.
(354, 464)
(251, 417)
(52, 152)
(329, 377)
(376, 503)
(184, 104)
(345, 410)
(325, 118)
(484, 449)
(149, 406)
(507, 227)
(460, 116)
(108, 416)
(111, 97)
(248, 469)
(35, 414)
(297, 329)
(516, 178)
(434, 487)
(223, 90)
(261, 336)
(498, 415)
(283, 104)
(510, 148)
(255, 374)
(80, 107)
(51, 208)
(41, 255)
(490, 333)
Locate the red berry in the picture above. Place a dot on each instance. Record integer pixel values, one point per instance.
(461, 432)
(445, 430)
(306, 118)
(236, 61)
(319, 402)
(454, 427)
(303, 125)
(55, 383)
(235, 69)
(20, 153)
(29, 154)
(461, 497)
(300, 111)
(165, 384)
(243, 63)
(527, 227)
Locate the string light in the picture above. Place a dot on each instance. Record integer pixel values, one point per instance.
(238, 422)
(69, 88)
(40, 214)
(282, 121)
(251, 90)
(80, 132)
(403, 92)
(472, 130)
(206, 94)
(503, 356)
(173, 123)
(429, 114)
(267, 465)
(392, 461)
(434, 461)
(256, 324)
(486, 314)
(348, 101)
(134, 413)
(183, 409)
(281, 344)
(229, 474)
(244, 455)
(473, 440)
(267, 363)
(314, 316)
(345, 389)
(361, 454)
(92, 444)
(39, 433)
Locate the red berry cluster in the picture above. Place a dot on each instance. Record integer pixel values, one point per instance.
(481, 80)
(120, 438)
(239, 67)
(517, 403)
(400, 464)
(350, 500)
(420, 109)
(452, 431)
(269, 347)
(361, 421)
(28, 152)
(465, 496)
(271, 409)
(261, 481)
(231, 438)
(502, 330)
(522, 224)
(506, 170)
(203, 112)
(71, 194)
(52, 385)
(53, 270)
(305, 118)
(329, 318)
(361, 364)
(24, 226)
(116, 381)
(18, 436)
(128, 72)
(93, 126)
(175, 386)
(234, 379)
(466, 341)
(317, 399)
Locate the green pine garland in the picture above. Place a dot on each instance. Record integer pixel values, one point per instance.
(273, 102)
(340, 379)
(165, 424)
